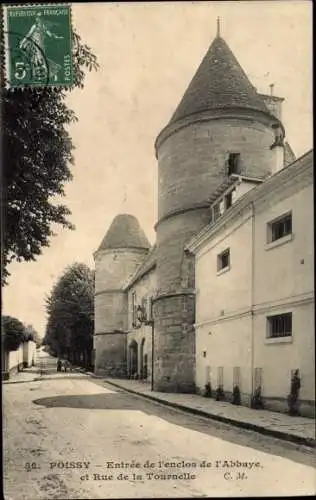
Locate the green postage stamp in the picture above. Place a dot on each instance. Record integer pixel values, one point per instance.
(38, 45)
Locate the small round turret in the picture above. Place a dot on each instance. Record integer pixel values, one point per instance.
(122, 250)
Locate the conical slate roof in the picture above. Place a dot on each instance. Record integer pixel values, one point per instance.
(220, 82)
(125, 232)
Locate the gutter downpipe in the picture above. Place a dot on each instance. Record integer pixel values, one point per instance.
(252, 292)
(152, 355)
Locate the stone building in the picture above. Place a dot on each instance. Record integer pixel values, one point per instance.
(222, 132)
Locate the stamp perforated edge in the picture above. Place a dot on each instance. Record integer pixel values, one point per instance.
(5, 45)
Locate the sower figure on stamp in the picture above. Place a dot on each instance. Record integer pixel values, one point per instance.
(34, 45)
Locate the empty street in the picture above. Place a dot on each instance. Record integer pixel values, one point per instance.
(68, 435)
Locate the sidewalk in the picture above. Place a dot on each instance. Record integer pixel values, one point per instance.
(296, 429)
(26, 375)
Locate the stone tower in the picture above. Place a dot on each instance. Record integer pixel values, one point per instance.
(221, 126)
(122, 250)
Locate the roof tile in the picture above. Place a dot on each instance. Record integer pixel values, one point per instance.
(220, 82)
(125, 232)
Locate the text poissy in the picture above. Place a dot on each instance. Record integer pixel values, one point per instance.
(69, 465)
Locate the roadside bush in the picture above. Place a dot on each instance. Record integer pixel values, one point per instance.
(207, 390)
(293, 397)
(220, 394)
(256, 400)
(236, 400)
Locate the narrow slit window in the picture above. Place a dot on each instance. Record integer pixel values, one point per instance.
(133, 309)
(234, 163)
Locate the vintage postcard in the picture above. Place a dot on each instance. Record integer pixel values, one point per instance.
(157, 258)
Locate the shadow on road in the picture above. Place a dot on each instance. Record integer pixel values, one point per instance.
(120, 400)
(102, 401)
(124, 401)
(67, 376)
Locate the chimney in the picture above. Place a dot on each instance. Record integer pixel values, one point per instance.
(273, 102)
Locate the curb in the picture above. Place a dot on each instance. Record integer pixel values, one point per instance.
(90, 374)
(20, 381)
(236, 423)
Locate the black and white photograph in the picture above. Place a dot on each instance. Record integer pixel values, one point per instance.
(157, 263)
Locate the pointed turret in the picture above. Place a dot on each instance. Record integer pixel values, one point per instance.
(124, 232)
(219, 83)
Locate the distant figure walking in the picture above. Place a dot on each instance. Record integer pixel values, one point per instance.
(59, 365)
(66, 365)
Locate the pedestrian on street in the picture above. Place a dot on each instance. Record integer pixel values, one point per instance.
(59, 365)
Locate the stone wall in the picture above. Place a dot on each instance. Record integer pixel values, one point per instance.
(110, 354)
(174, 340)
(110, 311)
(113, 270)
(193, 160)
(175, 270)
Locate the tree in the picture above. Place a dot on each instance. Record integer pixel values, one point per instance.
(13, 333)
(70, 308)
(37, 154)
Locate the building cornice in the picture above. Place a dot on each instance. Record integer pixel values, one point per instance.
(196, 206)
(106, 251)
(109, 291)
(290, 301)
(272, 97)
(165, 295)
(241, 113)
(257, 309)
(110, 332)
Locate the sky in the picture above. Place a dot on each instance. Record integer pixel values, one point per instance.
(148, 53)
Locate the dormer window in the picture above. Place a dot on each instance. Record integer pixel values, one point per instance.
(234, 164)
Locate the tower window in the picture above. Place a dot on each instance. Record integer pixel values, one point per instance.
(234, 163)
